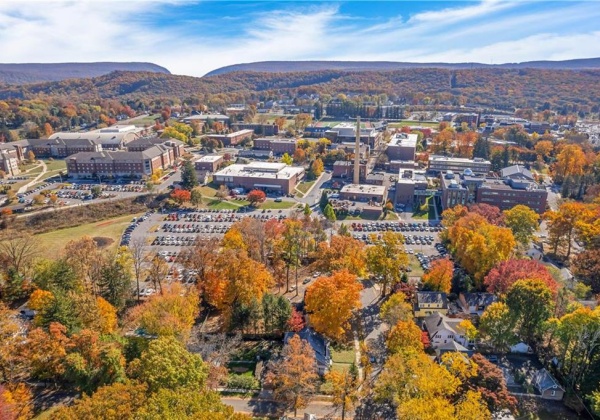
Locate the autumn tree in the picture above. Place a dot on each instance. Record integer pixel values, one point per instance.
(405, 335)
(168, 364)
(287, 159)
(439, 276)
(170, 314)
(12, 365)
(299, 156)
(18, 250)
(343, 252)
(294, 375)
(111, 402)
(496, 327)
(296, 322)
(137, 248)
(530, 303)
(196, 197)
(586, 266)
(157, 272)
(571, 161)
(344, 388)
(316, 168)
(256, 196)
(490, 213)
(86, 259)
(506, 273)
(330, 302)
(523, 222)
(479, 245)
(16, 402)
(490, 382)
(386, 259)
(396, 309)
(114, 284)
(562, 224)
(181, 196)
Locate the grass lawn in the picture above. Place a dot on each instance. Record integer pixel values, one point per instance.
(34, 172)
(141, 122)
(55, 165)
(303, 187)
(417, 270)
(426, 211)
(272, 205)
(341, 355)
(216, 204)
(53, 242)
(242, 368)
(207, 191)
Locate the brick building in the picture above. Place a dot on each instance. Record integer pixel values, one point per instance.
(402, 146)
(145, 143)
(345, 169)
(114, 164)
(507, 193)
(210, 163)
(438, 164)
(232, 139)
(259, 129)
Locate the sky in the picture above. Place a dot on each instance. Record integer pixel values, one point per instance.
(194, 37)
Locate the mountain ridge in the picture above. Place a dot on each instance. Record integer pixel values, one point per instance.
(316, 65)
(27, 73)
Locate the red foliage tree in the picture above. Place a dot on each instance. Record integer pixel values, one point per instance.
(490, 213)
(506, 273)
(490, 382)
(425, 340)
(296, 322)
(181, 196)
(256, 196)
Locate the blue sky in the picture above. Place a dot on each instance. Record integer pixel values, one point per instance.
(194, 37)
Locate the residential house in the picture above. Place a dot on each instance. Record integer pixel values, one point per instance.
(476, 303)
(446, 334)
(427, 303)
(319, 345)
(547, 385)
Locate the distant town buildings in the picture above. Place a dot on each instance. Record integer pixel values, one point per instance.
(438, 164)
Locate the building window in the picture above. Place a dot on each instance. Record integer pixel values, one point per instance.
(553, 393)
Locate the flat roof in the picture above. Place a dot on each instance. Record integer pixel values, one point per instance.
(266, 170)
(364, 189)
(404, 140)
(438, 158)
(209, 158)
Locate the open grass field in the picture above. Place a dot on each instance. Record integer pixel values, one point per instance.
(55, 165)
(272, 205)
(417, 270)
(426, 211)
(144, 121)
(303, 187)
(341, 355)
(52, 243)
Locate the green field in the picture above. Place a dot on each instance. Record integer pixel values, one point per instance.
(52, 243)
(144, 121)
(303, 187)
(341, 355)
(417, 270)
(55, 165)
(271, 205)
(426, 211)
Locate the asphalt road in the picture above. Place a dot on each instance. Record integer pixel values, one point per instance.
(314, 195)
(261, 407)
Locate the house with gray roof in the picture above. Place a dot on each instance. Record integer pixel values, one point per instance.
(446, 334)
(517, 172)
(427, 303)
(547, 385)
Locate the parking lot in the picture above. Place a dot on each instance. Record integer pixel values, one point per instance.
(167, 234)
(421, 238)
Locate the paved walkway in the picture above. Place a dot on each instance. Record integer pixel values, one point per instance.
(36, 179)
(264, 406)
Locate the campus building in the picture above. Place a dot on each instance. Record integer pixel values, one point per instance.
(268, 176)
(507, 193)
(402, 146)
(210, 163)
(438, 164)
(366, 193)
(260, 129)
(110, 138)
(276, 145)
(346, 132)
(232, 139)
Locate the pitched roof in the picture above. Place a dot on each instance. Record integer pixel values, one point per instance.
(479, 299)
(436, 322)
(516, 169)
(432, 297)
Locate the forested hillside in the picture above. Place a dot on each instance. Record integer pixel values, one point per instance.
(561, 90)
(294, 66)
(16, 74)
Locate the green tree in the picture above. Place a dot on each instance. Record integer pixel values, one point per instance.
(168, 364)
(396, 309)
(496, 327)
(530, 303)
(189, 179)
(287, 159)
(196, 197)
(324, 200)
(307, 211)
(96, 191)
(523, 222)
(115, 284)
(276, 311)
(329, 213)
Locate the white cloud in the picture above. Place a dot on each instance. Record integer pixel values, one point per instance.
(91, 30)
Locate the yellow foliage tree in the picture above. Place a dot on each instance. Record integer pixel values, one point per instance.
(107, 316)
(405, 335)
(439, 276)
(343, 252)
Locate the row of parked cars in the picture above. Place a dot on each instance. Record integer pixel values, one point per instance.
(194, 228)
(396, 227)
(117, 187)
(126, 237)
(418, 240)
(173, 241)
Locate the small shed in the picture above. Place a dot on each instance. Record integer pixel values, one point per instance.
(521, 348)
(547, 385)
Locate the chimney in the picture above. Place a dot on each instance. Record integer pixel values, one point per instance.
(356, 179)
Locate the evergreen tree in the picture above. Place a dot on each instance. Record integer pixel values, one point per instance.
(189, 179)
(329, 213)
(115, 284)
(324, 200)
(481, 148)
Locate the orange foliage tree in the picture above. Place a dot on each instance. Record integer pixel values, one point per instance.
(439, 277)
(343, 252)
(330, 302)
